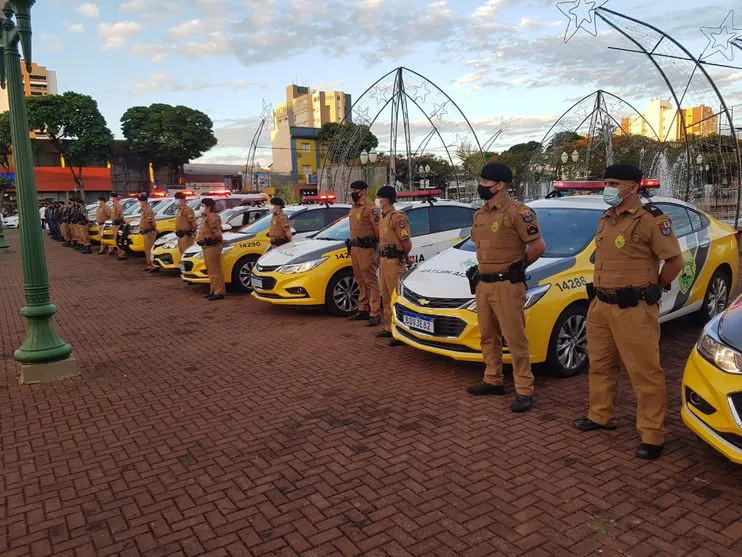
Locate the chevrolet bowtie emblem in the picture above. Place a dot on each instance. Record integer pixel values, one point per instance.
(423, 302)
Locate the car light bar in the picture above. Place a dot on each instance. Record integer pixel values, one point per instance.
(219, 192)
(596, 184)
(321, 198)
(418, 193)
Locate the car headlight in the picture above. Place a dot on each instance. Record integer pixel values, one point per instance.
(535, 294)
(170, 245)
(134, 229)
(472, 306)
(199, 255)
(226, 249)
(301, 267)
(719, 354)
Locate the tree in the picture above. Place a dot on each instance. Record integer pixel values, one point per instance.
(168, 136)
(471, 159)
(75, 127)
(347, 140)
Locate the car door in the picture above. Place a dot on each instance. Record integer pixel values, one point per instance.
(307, 222)
(419, 218)
(449, 225)
(694, 246)
(334, 213)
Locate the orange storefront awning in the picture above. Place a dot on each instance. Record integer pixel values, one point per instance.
(55, 178)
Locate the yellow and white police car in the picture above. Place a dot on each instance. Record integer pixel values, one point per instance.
(242, 249)
(318, 271)
(435, 311)
(131, 212)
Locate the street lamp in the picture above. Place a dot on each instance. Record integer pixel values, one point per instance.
(368, 162)
(565, 157)
(44, 356)
(424, 172)
(575, 155)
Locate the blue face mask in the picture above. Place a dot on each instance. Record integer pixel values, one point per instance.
(612, 197)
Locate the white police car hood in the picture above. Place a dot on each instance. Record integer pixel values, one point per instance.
(229, 237)
(444, 276)
(299, 252)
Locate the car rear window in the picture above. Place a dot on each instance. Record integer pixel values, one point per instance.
(566, 231)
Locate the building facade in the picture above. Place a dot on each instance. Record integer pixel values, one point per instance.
(662, 120)
(297, 151)
(38, 83)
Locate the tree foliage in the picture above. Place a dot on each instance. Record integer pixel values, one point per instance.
(168, 136)
(471, 159)
(346, 141)
(6, 142)
(75, 127)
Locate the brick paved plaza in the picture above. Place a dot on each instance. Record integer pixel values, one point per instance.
(236, 428)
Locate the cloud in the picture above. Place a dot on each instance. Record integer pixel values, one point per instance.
(156, 53)
(215, 43)
(115, 35)
(166, 83)
(185, 30)
(88, 10)
(150, 8)
(76, 28)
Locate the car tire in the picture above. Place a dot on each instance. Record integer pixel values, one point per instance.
(567, 355)
(716, 298)
(241, 274)
(341, 296)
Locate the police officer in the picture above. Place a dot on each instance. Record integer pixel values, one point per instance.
(117, 221)
(74, 220)
(364, 220)
(64, 216)
(102, 214)
(394, 248)
(623, 318)
(148, 230)
(211, 241)
(280, 228)
(508, 239)
(185, 224)
(83, 232)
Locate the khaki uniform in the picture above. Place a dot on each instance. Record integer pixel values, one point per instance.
(394, 229)
(630, 243)
(117, 217)
(83, 234)
(364, 218)
(501, 231)
(65, 226)
(102, 214)
(211, 241)
(148, 229)
(185, 227)
(278, 229)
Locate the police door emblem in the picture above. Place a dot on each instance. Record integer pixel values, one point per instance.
(620, 241)
(687, 275)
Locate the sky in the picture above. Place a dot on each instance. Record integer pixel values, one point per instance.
(504, 63)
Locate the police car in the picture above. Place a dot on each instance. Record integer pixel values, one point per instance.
(131, 209)
(242, 249)
(318, 271)
(435, 311)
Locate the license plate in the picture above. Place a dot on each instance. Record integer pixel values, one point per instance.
(120, 233)
(257, 283)
(182, 268)
(414, 321)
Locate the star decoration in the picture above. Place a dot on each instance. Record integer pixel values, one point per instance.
(439, 110)
(581, 14)
(418, 96)
(363, 114)
(381, 93)
(721, 38)
(267, 112)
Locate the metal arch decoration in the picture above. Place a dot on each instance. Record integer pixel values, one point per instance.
(601, 128)
(400, 90)
(504, 128)
(666, 53)
(266, 116)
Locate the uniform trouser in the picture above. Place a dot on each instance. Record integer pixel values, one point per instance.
(500, 314)
(631, 335)
(103, 247)
(115, 229)
(389, 272)
(213, 260)
(149, 242)
(65, 227)
(365, 271)
(184, 243)
(84, 235)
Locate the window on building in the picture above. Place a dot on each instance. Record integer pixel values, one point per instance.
(306, 169)
(305, 147)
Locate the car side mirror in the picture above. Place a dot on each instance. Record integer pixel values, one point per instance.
(293, 231)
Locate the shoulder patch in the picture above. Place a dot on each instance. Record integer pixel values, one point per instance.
(532, 229)
(665, 225)
(653, 210)
(526, 215)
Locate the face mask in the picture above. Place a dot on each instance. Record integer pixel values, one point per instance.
(485, 193)
(355, 196)
(612, 197)
(378, 204)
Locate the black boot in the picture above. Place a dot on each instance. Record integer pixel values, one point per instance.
(586, 424)
(358, 316)
(521, 403)
(649, 452)
(483, 388)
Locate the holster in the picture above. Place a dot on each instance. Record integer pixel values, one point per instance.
(390, 251)
(590, 287)
(348, 245)
(517, 272)
(472, 274)
(179, 233)
(652, 294)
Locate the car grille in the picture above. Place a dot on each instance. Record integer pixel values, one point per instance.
(446, 303)
(269, 283)
(735, 399)
(435, 344)
(445, 326)
(107, 226)
(266, 268)
(167, 259)
(187, 266)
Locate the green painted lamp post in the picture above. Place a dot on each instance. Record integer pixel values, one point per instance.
(42, 344)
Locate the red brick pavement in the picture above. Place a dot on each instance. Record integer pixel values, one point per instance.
(236, 428)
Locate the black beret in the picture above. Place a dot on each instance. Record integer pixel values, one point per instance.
(101, 198)
(142, 197)
(278, 201)
(208, 202)
(115, 195)
(359, 185)
(497, 172)
(624, 172)
(180, 195)
(387, 192)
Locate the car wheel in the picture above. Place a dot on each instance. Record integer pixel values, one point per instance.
(241, 273)
(568, 345)
(716, 298)
(341, 297)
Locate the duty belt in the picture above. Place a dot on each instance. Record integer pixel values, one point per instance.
(494, 277)
(147, 231)
(630, 297)
(181, 233)
(390, 251)
(279, 241)
(364, 242)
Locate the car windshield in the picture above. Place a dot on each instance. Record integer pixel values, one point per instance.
(340, 230)
(133, 209)
(227, 214)
(566, 231)
(261, 225)
(194, 204)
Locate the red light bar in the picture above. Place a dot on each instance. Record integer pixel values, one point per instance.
(322, 197)
(418, 193)
(158, 193)
(219, 192)
(596, 184)
(650, 183)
